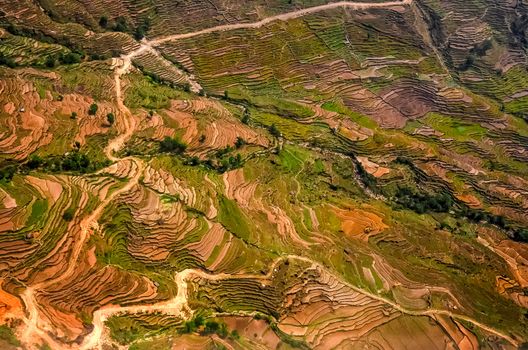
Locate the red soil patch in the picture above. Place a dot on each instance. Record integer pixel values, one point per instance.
(236, 187)
(469, 199)
(359, 223)
(10, 306)
(373, 168)
(204, 248)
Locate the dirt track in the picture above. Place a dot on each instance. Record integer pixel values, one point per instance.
(282, 17)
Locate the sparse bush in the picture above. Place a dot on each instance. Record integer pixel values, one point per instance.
(73, 115)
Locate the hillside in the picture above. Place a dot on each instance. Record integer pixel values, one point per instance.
(263, 174)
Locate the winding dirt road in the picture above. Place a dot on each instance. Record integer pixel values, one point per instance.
(178, 305)
(282, 17)
(89, 223)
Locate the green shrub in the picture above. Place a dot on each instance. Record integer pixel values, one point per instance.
(8, 335)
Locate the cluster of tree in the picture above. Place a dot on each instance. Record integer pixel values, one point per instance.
(142, 29)
(7, 61)
(172, 145)
(68, 58)
(232, 162)
(225, 161)
(74, 161)
(7, 172)
(200, 325)
(421, 203)
(50, 62)
(521, 235)
(478, 215)
(121, 25)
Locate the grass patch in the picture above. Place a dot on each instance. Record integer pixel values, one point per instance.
(233, 218)
(38, 210)
(7, 335)
(144, 92)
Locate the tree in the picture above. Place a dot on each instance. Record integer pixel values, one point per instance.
(51, 62)
(93, 109)
(103, 21)
(274, 131)
(110, 118)
(239, 142)
(34, 162)
(68, 214)
(73, 115)
(245, 117)
(142, 29)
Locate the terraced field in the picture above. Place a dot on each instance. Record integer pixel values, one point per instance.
(263, 175)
